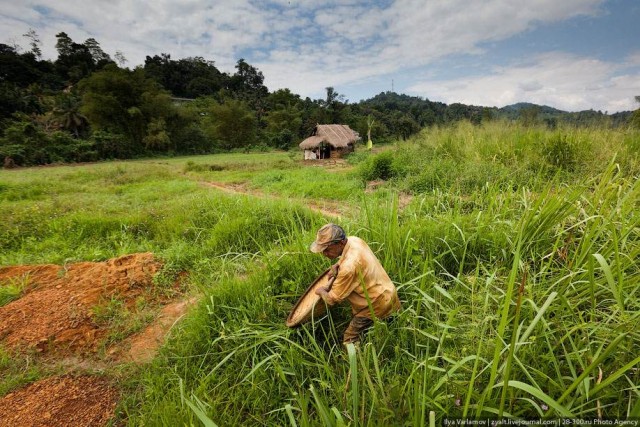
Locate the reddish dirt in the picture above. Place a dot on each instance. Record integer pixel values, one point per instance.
(60, 401)
(56, 317)
(142, 347)
(373, 185)
(56, 314)
(404, 200)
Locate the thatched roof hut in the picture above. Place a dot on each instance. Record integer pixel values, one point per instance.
(331, 141)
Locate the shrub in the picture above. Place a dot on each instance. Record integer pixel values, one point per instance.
(435, 174)
(381, 166)
(11, 292)
(111, 145)
(561, 152)
(283, 139)
(191, 166)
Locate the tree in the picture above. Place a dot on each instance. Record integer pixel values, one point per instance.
(34, 42)
(74, 60)
(63, 44)
(333, 104)
(248, 80)
(282, 98)
(66, 114)
(370, 123)
(247, 85)
(188, 77)
(125, 102)
(120, 59)
(16, 68)
(228, 125)
(283, 125)
(100, 58)
(529, 116)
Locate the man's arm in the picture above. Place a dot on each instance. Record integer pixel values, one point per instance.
(341, 285)
(333, 271)
(324, 291)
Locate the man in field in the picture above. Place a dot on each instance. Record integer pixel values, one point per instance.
(358, 277)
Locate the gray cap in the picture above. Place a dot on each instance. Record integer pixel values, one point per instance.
(328, 234)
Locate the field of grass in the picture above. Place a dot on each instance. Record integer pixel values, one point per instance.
(516, 263)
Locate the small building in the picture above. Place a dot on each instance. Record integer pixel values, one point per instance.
(329, 142)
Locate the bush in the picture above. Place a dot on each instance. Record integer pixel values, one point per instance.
(110, 145)
(357, 157)
(283, 139)
(191, 166)
(381, 166)
(434, 175)
(192, 140)
(64, 148)
(561, 152)
(25, 143)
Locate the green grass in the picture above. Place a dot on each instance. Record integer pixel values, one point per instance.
(16, 371)
(11, 291)
(516, 263)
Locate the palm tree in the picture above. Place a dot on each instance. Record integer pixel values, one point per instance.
(66, 114)
(370, 123)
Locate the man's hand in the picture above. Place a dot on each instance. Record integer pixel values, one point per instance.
(322, 291)
(333, 272)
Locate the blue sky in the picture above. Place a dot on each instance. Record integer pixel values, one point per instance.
(569, 54)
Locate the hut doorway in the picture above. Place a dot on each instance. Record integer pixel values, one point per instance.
(324, 151)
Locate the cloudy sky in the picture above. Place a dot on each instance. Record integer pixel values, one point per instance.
(569, 54)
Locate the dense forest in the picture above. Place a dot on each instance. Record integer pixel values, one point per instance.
(87, 106)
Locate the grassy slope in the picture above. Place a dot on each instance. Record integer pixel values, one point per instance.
(517, 270)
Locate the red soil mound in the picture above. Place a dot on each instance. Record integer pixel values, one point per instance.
(60, 401)
(57, 311)
(59, 314)
(143, 346)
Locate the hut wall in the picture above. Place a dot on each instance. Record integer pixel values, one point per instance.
(341, 151)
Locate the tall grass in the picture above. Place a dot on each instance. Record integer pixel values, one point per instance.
(465, 158)
(10, 292)
(499, 334)
(519, 285)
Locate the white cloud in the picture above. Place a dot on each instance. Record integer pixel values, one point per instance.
(557, 79)
(633, 59)
(408, 34)
(307, 46)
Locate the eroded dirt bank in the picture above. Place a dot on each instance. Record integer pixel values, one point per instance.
(69, 315)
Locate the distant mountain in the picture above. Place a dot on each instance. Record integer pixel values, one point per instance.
(550, 115)
(423, 112)
(541, 108)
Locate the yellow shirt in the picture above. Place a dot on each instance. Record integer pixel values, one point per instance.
(361, 277)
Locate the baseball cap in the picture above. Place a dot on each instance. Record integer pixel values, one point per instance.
(328, 234)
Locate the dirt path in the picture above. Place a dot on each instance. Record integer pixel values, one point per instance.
(332, 210)
(326, 208)
(142, 347)
(65, 316)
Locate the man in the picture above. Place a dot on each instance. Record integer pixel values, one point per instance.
(358, 277)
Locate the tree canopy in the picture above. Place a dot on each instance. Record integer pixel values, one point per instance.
(84, 105)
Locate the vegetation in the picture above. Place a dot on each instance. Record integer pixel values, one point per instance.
(11, 291)
(86, 106)
(516, 262)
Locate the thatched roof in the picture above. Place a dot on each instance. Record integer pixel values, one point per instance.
(338, 136)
